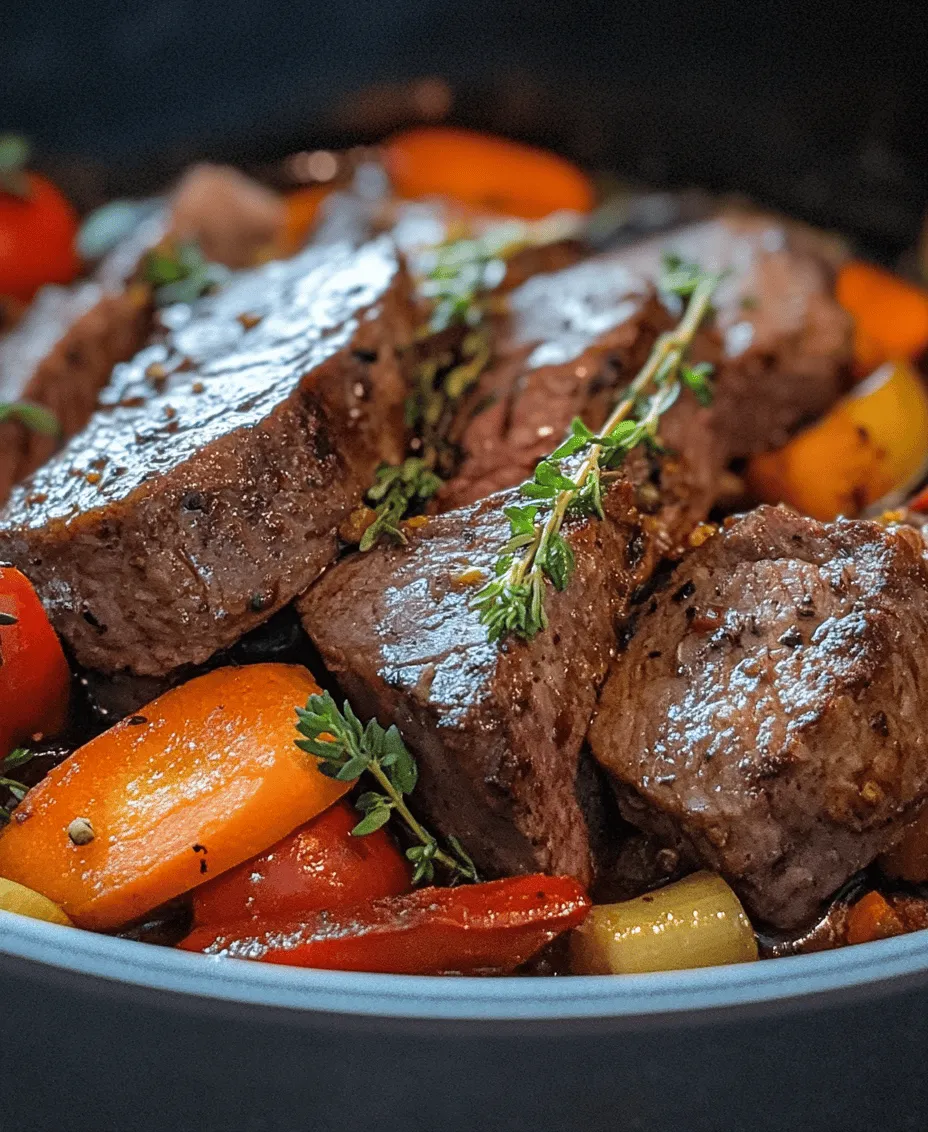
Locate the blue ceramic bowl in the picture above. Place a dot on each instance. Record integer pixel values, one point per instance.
(116, 1036)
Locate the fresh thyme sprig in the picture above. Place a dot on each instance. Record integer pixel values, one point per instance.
(32, 415)
(395, 492)
(13, 760)
(514, 601)
(457, 278)
(348, 749)
(179, 272)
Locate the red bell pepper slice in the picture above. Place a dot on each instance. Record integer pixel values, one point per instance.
(320, 865)
(489, 928)
(34, 678)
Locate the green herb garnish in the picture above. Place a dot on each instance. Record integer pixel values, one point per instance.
(179, 273)
(14, 154)
(32, 415)
(347, 749)
(537, 552)
(14, 759)
(396, 491)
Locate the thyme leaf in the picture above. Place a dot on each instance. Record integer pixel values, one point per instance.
(179, 272)
(32, 415)
(13, 786)
(346, 750)
(395, 492)
(513, 601)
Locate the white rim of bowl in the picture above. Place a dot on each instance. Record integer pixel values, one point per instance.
(127, 962)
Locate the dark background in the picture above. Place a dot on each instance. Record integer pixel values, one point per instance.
(816, 106)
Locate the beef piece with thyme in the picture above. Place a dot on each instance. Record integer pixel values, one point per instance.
(764, 719)
(570, 342)
(496, 728)
(180, 518)
(780, 340)
(572, 339)
(60, 356)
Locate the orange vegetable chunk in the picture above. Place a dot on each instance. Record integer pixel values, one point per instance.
(490, 173)
(872, 442)
(890, 315)
(201, 779)
(35, 682)
(872, 917)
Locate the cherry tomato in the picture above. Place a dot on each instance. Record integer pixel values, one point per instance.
(34, 677)
(480, 928)
(318, 866)
(37, 239)
(490, 173)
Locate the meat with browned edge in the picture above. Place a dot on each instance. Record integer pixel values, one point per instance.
(381, 622)
(497, 729)
(60, 356)
(183, 517)
(781, 345)
(765, 720)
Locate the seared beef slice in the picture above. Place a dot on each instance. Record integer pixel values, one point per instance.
(781, 345)
(496, 728)
(780, 340)
(766, 717)
(178, 520)
(60, 356)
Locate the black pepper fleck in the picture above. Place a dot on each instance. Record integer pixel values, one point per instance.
(685, 591)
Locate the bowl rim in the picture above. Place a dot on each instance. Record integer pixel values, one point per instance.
(106, 958)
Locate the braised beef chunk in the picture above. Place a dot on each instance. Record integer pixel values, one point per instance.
(180, 519)
(573, 339)
(780, 345)
(764, 719)
(60, 356)
(783, 341)
(496, 728)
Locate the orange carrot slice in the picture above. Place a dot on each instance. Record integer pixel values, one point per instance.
(201, 779)
(890, 315)
(490, 173)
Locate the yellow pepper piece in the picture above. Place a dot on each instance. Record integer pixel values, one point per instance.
(873, 442)
(26, 902)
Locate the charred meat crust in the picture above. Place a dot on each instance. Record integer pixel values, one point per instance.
(764, 720)
(180, 519)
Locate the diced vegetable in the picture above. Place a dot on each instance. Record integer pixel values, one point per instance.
(34, 678)
(201, 779)
(37, 227)
(490, 173)
(318, 866)
(302, 208)
(696, 922)
(481, 928)
(872, 917)
(24, 902)
(908, 860)
(873, 442)
(890, 315)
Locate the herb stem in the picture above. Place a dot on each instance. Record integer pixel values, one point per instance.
(523, 580)
(412, 824)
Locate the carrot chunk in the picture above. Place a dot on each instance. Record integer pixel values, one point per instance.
(490, 173)
(872, 917)
(890, 315)
(198, 781)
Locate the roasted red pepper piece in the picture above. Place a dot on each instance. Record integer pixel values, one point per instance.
(320, 865)
(488, 928)
(920, 502)
(34, 677)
